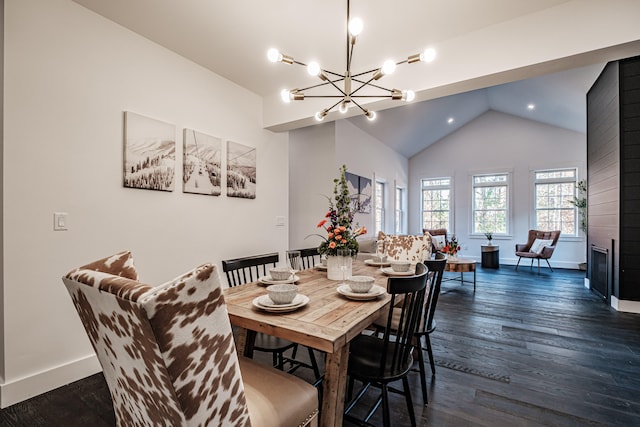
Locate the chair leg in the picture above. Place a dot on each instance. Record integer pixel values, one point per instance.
(549, 265)
(518, 263)
(538, 265)
(407, 396)
(314, 363)
(423, 379)
(386, 418)
(430, 351)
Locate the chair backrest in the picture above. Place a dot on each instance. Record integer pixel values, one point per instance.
(248, 269)
(310, 257)
(434, 280)
(543, 235)
(407, 298)
(167, 352)
(405, 247)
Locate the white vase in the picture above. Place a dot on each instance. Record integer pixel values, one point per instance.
(334, 272)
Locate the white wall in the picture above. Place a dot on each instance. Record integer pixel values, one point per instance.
(69, 75)
(317, 152)
(497, 142)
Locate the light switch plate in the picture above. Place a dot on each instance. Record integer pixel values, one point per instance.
(280, 221)
(60, 221)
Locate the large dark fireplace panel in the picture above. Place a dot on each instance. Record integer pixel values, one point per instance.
(599, 280)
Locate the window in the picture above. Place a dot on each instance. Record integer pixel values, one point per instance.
(436, 203)
(379, 213)
(491, 204)
(400, 218)
(554, 192)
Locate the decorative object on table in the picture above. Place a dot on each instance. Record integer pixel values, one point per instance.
(489, 236)
(294, 261)
(452, 248)
(340, 235)
(241, 171)
(202, 163)
(360, 190)
(149, 153)
(373, 293)
(580, 202)
(347, 94)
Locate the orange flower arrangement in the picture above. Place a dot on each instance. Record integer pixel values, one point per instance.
(452, 247)
(339, 218)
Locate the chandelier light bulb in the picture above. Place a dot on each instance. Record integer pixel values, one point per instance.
(343, 107)
(371, 115)
(320, 115)
(274, 55)
(355, 27)
(428, 55)
(285, 95)
(388, 67)
(313, 68)
(408, 95)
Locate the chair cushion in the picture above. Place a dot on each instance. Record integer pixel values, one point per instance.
(275, 398)
(538, 245)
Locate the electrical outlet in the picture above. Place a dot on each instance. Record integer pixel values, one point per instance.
(60, 221)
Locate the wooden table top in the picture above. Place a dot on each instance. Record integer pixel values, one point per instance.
(327, 323)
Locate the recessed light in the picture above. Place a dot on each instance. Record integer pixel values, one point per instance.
(531, 107)
(450, 120)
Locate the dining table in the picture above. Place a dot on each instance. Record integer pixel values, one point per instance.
(327, 322)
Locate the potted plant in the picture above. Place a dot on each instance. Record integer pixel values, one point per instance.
(489, 236)
(580, 202)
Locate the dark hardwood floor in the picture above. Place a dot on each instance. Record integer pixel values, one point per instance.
(525, 349)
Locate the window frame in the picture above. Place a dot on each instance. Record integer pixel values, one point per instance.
(450, 187)
(534, 210)
(400, 213)
(509, 202)
(379, 209)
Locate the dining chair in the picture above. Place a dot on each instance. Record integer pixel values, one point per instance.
(427, 323)
(249, 269)
(404, 247)
(376, 360)
(168, 354)
(310, 257)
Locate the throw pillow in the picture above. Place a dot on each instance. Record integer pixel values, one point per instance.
(438, 242)
(539, 244)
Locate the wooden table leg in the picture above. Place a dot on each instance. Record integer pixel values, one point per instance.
(334, 385)
(245, 340)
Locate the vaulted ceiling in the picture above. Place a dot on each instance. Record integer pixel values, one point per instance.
(495, 54)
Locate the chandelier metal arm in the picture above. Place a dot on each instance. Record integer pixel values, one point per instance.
(320, 84)
(372, 85)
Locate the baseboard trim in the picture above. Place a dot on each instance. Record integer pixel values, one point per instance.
(24, 388)
(624, 305)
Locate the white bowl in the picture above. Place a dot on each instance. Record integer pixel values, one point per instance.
(360, 284)
(282, 294)
(379, 258)
(400, 266)
(280, 273)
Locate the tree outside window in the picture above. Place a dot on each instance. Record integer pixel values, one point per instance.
(436, 203)
(555, 192)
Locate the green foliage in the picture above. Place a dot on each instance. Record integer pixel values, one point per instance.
(580, 202)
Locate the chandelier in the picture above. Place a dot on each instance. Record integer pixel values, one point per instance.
(348, 86)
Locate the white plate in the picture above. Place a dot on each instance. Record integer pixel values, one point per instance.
(377, 263)
(321, 267)
(267, 280)
(263, 302)
(389, 271)
(373, 293)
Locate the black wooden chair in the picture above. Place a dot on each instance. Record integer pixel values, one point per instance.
(428, 325)
(249, 269)
(379, 360)
(310, 257)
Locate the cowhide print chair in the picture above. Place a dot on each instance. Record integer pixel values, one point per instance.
(405, 247)
(169, 357)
